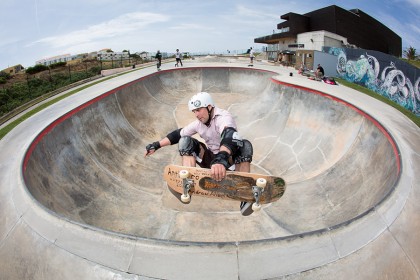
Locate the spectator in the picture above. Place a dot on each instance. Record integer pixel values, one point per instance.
(158, 57)
(251, 56)
(178, 56)
(319, 72)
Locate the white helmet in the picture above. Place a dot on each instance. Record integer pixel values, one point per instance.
(200, 100)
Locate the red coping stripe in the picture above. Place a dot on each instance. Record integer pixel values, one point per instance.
(51, 126)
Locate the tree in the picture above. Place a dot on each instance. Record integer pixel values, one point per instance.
(410, 53)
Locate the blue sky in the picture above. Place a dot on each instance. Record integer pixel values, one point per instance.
(34, 29)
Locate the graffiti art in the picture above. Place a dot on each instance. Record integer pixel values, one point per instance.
(391, 82)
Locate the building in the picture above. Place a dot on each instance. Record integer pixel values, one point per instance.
(108, 55)
(330, 26)
(13, 70)
(55, 59)
(145, 55)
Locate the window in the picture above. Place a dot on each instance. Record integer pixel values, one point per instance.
(296, 45)
(284, 29)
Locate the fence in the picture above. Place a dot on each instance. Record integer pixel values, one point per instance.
(23, 87)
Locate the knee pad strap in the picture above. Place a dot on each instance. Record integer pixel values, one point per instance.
(245, 153)
(188, 147)
(221, 158)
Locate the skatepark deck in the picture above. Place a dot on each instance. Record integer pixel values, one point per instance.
(77, 191)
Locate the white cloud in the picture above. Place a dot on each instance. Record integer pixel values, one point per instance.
(414, 2)
(412, 37)
(119, 26)
(409, 32)
(416, 29)
(147, 25)
(191, 26)
(252, 14)
(7, 42)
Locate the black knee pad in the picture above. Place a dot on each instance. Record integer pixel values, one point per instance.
(188, 146)
(231, 139)
(244, 153)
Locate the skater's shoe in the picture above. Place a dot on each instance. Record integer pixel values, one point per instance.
(246, 208)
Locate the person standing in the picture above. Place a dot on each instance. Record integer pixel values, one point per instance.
(178, 57)
(251, 57)
(158, 57)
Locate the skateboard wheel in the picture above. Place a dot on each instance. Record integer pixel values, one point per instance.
(261, 182)
(183, 174)
(256, 207)
(185, 198)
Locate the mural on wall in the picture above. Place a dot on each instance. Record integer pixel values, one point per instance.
(387, 80)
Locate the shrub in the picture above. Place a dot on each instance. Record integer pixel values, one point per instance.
(58, 65)
(4, 75)
(36, 69)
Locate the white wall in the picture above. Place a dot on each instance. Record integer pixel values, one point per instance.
(318, 39)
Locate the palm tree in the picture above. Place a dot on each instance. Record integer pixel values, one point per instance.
(410, 53)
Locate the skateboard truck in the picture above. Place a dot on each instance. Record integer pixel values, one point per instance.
(257, 191)
(187, 184)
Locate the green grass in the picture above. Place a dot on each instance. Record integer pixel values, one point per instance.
(375, 95)
(41, 107)
(415, 63)
(32, 112)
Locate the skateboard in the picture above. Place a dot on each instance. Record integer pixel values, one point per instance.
(158, 64)
(240, 186)
(250, 65)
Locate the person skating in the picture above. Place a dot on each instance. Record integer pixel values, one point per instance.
(223, 147)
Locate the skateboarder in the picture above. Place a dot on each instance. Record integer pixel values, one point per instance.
(158, 57)
(223, 148)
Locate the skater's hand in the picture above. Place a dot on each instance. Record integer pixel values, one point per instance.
(151, 148)
(149, 152)
(218, 171)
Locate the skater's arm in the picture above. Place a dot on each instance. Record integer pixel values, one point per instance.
(153, 147)
(170, 139)
(230, 143)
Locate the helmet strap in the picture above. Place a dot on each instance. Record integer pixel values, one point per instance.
(210, 113)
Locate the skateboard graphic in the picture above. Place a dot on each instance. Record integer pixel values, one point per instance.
(240, 186)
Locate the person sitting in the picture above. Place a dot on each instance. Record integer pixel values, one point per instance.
(302, 68)
(319, 72)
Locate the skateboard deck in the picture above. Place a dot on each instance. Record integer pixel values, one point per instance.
(240, 186)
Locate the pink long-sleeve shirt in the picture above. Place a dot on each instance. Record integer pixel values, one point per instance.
(211, 135)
